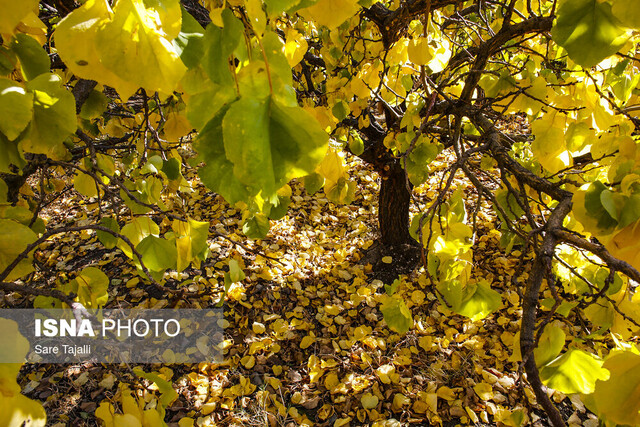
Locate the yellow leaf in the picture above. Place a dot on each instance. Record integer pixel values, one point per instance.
(133, 46)
(331, 13)
(484, 391)
(417, 297)
(186, 422)
(387, 259)
(384, 372)
(258, 327)
(332, 166)
(126, 420)
(331, 381)
(332, 310)
(248, 362)
(169, 356)
(419, 51)
(342, 422)
(76, 41)
(295, 47)
(369, 401)
(15, 11)
(124, 48)
(256, 16)
(177, 126)
(216, 16)
(446, 393)
(399, 400)
(307, 341)
(296, 398)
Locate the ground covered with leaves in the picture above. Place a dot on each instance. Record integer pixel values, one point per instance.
(306, 343)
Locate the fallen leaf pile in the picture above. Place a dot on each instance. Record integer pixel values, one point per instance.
(305, 340)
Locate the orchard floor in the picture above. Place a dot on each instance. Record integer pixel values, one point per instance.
(306, 342)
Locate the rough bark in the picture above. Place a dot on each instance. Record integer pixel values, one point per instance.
(393, 205)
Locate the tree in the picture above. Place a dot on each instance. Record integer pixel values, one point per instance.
(118, 88)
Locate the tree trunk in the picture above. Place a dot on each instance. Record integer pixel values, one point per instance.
(393, 206)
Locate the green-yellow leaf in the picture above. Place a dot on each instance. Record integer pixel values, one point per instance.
(397, 314)
(136, 230)
(91, 286)
(158, 254)
(574, 372)
(33, 59)
(54, 117)
(588, 31)
(14, 238)
(16, 108)
(550, 345)
(618, 398)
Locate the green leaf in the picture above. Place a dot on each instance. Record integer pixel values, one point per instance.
(220, 44)
(313, 182)
(618, 399)
(9, 155)
(206, 105)
(54, 117)
(631, 211)
(594, 207)
(171, 168)
(417, 162)
(158, 254)
(550, 345)
(356, 144)
(627, 12)
(217, 173)
(33, 59)
(16, 213)
(278, 64)
(397, 314)
(574, 372)
(94, 106)
(14, 238)
(588, 31)
(246, 143)
(4, 190)
(279, 210)
(8, 61)
(343, 191)
(256, 226)
(107, 239)
(16, 108)
(340, 110)
(199, 231)
(235, 272)
(189, 43)
(612, 203)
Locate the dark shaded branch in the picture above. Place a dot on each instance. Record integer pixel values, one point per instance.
(393, 24)
(541, 266)
(198, 11)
